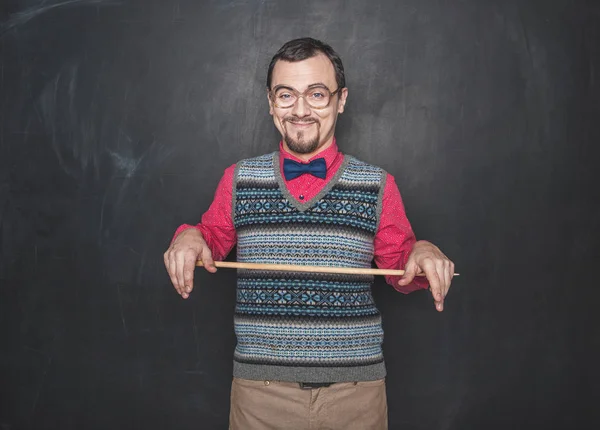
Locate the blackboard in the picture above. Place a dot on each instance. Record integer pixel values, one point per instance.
(117, 119)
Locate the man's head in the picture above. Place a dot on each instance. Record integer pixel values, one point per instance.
(307, 90)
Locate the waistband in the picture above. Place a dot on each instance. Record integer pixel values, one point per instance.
(313, 375)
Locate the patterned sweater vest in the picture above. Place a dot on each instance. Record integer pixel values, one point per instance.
(305, 326)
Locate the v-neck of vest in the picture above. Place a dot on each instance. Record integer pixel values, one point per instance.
(303, 206)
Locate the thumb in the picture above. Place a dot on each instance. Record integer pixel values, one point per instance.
(409, 274)
(207, 260)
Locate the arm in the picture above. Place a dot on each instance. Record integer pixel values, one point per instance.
(395, 239)
(213, 237)
(396, 247)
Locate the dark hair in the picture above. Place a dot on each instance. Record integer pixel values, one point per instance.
(302, 49)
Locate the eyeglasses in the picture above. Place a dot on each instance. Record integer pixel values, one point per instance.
(316, 96)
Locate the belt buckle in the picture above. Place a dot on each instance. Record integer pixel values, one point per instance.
(310, 385)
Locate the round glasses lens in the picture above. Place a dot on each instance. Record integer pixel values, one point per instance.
(285, 98)
(317, 97)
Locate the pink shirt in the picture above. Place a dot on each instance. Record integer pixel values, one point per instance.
(392, 243)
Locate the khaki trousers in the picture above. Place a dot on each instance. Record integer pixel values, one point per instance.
(277, 405)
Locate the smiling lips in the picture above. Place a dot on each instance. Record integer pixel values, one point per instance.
(301, 123)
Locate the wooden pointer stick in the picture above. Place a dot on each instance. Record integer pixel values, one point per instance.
(312, 269)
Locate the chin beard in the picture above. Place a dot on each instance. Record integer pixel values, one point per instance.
(299, 145)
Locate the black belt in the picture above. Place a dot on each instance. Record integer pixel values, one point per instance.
(309, 385)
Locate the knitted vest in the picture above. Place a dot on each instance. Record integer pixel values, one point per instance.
(307, 327)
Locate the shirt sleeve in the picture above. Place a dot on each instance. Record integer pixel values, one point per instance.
(216, 224)
(395, 238)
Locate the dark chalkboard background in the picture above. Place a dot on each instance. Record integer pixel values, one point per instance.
(117, 119)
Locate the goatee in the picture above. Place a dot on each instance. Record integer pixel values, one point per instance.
(299, 145)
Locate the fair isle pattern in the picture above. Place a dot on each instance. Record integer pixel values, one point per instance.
(286, 323)
(321, 344)
(308, 298)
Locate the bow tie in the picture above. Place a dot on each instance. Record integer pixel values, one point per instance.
(292, 169)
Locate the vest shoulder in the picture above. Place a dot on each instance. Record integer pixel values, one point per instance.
(362, 166)
(258, 160)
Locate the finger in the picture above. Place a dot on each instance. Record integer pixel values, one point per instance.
(409, 274)
(173, 272)
(441, 273)
(448, 273)
(207, 260)
(434, 284)
(166, 258)
(188, 271)
(180, 262)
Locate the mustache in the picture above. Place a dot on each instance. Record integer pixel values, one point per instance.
(300, 120)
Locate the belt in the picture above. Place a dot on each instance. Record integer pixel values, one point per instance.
(309, 385)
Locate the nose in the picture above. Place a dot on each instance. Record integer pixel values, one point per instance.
(301, 108)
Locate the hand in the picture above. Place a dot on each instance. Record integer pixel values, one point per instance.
(427, 258)
(180, 260)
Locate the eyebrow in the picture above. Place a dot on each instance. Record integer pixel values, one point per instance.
(315, 85)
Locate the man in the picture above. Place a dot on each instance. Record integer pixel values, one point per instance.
(309, 346)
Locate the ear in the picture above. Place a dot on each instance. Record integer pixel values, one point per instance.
(342, 100)
(270, 103)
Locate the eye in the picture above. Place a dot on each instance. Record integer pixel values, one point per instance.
(318, 94)
(284, 96)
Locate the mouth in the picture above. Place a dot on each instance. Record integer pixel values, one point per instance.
(302, 124)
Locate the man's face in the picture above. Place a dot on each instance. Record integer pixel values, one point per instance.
(306, 130)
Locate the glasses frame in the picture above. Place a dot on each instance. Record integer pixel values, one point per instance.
(298, 95)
